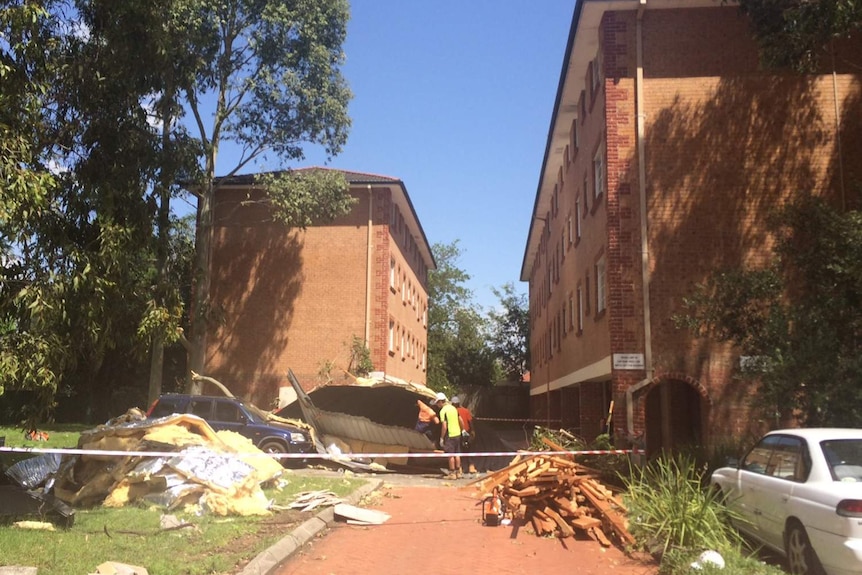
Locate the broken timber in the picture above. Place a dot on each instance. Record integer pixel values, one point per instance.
(559, 497)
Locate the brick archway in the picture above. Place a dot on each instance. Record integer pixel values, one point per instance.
(676, 409)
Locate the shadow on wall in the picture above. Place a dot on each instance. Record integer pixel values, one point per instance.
(257, 277)
(717, 169)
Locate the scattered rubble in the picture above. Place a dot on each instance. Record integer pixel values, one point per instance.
(558, 497)
(219, 472)
(309, 500)
(360, 516)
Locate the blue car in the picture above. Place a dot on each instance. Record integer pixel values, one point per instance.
(229, 413)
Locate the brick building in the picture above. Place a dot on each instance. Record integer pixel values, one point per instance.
(668, 146)
(296, 299)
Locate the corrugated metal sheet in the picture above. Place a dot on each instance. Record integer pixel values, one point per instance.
(363, 429)
(356, 427)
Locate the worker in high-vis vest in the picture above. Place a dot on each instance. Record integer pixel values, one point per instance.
(450, 436)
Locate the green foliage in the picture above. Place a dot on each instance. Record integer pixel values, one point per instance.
(736, 562)
(273, 71)
(94, 273)
(800, 319)
(797, 33)
(458, 352)
(132, 535)
(299, 199)
(509, 332)
(360, 357)
(670, 509)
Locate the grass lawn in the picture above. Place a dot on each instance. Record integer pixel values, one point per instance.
(133, 534)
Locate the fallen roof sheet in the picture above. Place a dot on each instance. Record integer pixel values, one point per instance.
(355, 422)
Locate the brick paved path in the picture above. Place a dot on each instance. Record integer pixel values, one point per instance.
(438, 530)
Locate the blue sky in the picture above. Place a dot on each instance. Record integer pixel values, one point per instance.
(454, 97)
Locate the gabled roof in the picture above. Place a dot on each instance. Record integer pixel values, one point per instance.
(400, 197)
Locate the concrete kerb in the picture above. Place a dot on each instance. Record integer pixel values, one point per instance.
(268, 560)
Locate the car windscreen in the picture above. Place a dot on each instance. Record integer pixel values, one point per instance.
(844, 458)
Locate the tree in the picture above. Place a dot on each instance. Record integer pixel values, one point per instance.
(261, 74)
(797, 33)
(458, 353)
(271, 70)
(799, 320)
(510, 332)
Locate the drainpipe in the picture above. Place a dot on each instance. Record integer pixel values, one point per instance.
(368, 268)
(645, 271)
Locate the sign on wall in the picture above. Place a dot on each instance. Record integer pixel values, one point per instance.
(628, 361)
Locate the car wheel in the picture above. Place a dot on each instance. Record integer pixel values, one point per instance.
(272, 447)
(801, 558)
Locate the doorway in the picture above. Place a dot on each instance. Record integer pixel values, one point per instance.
(674, 417)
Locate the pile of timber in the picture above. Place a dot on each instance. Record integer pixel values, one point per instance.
(558, 496)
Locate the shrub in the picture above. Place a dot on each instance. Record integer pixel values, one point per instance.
(670, 509)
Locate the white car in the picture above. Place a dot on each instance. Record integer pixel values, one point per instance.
(799, 492)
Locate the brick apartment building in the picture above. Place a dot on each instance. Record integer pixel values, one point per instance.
(294, 299)
(668, 146)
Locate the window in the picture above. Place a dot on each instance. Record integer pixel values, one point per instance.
(557, 260)
(580, 309)
(392, 337)
(555, 201)
(563, 316)
(201, 408)
(558, 321)
(595, 68)
(575, 137)
(571, 312)
(587, 296)
(393, 278)
(601, 297)
(586, 195)
(570, 227)
(599, 173)
(779, 456)
(578, 217)
(228, 413)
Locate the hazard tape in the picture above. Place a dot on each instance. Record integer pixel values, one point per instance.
(517, 420)
(326, 456)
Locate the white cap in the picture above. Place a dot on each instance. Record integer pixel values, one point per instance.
(441, 396)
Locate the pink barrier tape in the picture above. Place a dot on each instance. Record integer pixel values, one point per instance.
(328, 456)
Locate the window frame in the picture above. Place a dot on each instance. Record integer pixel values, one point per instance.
(598, 174)
(601, 285)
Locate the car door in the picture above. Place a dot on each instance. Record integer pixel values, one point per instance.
(786, 468)
(202, 407)
(227, 415)
(752, 480)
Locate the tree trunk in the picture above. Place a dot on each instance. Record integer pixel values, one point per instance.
(157, 363)
(201, 294)
(157, 358)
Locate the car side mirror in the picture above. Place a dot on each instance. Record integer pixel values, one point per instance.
(732, 462)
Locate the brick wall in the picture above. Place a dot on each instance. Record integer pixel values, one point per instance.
(296, 299)
(724, 144)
